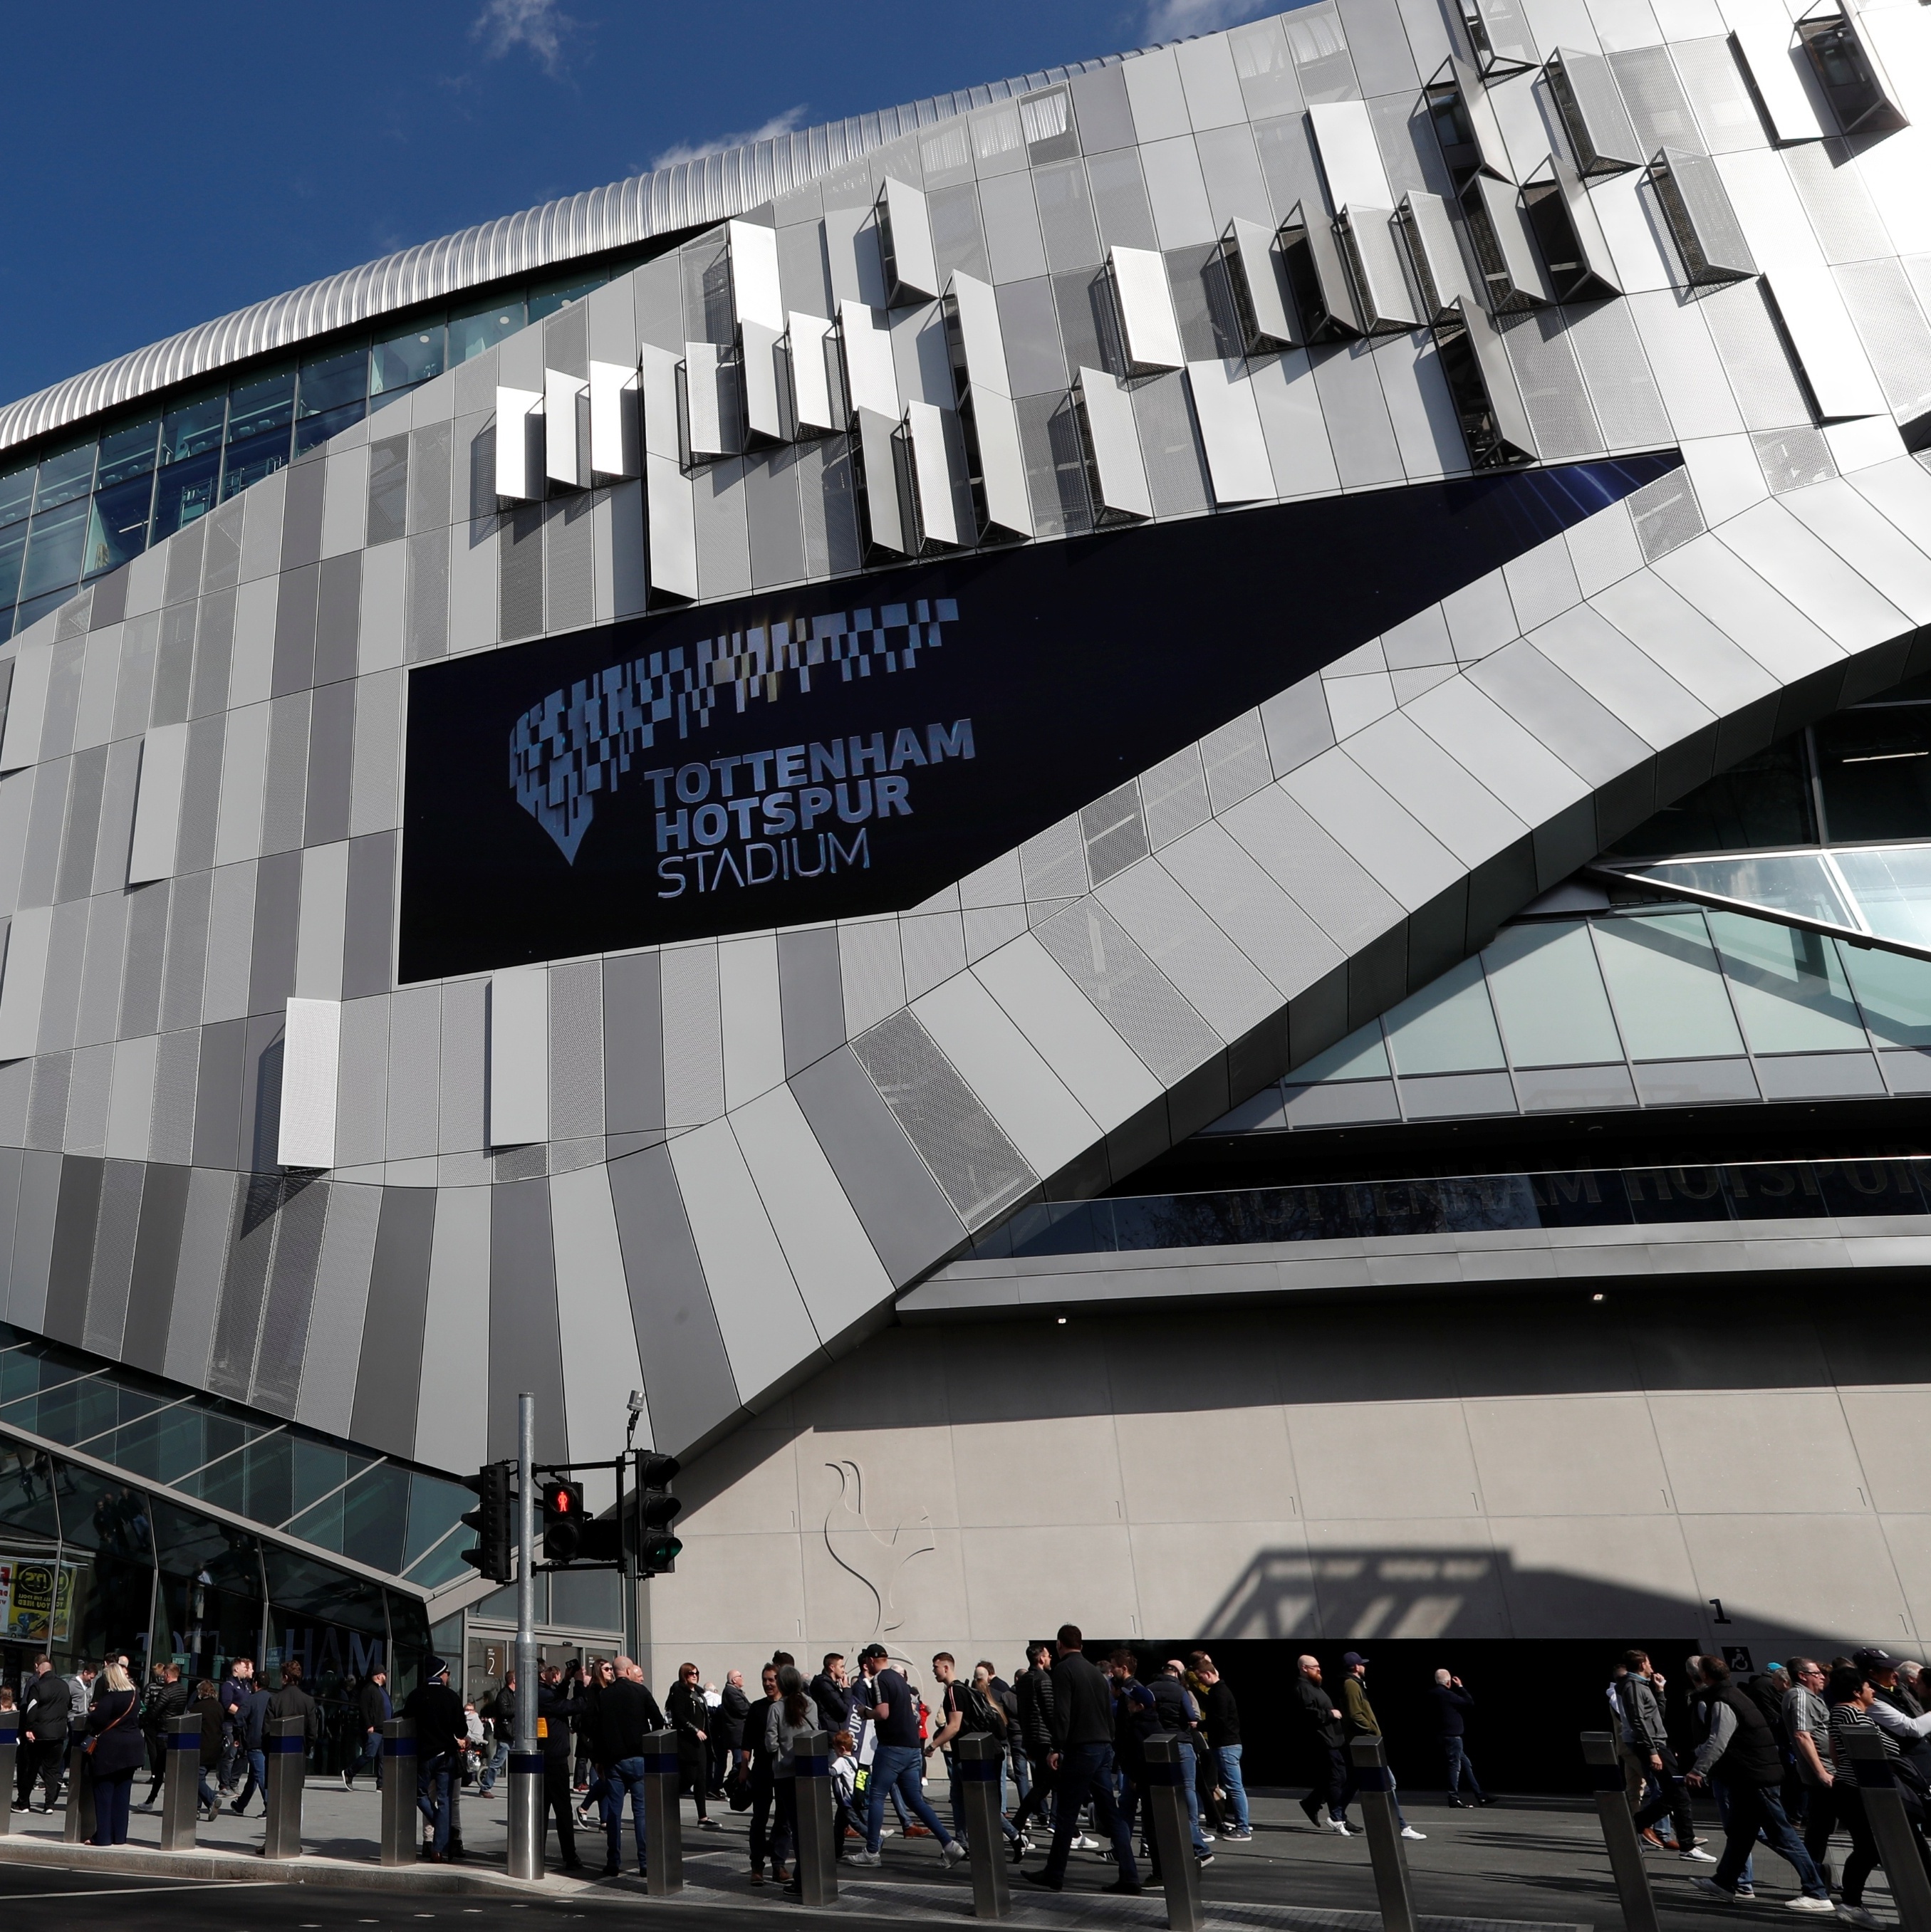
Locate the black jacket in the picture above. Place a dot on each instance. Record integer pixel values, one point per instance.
(1033, 1689)
(113, 1721)
(554, 1712)
(730, 1715)
(1082, 1703)
(1452, 1709)
(291, 1701)
(43, 1711)
(1314, 1706)
(1223, 1717)
(833, 1702)
(1751, 1757)
(625, 1711)
(688, 1713)
(165, 1701)
(437, 1712)
(209, 1711)
(373, 1706)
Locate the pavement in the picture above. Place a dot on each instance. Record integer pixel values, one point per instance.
(1527, 1864)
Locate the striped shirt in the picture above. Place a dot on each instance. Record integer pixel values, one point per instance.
(1848, 1720)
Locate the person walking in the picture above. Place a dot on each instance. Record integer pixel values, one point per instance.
(898, 1760)
(831, 1692)
(115, 1750)
(1806, 1724)
(1453, 1702)
(1359, 1719)
(1322, 1730)
(1896, 1712)
(207, 1706)
(560, 1705)
(1646, 1742)
(727, 1732)
(250, 1724)
(1853, 1699)
(964, 1711)
(626, 1711)
(793, 1713)
(437, 1712)
(1221, 1717)
(755, 1760)
(373, 1710)
(1136, 1719)
(1178, 1713)
(1741, 1751)
(689, 1715)
(232, 1695)
(43, 1747)
(168, 1696)
(292, 1701)
(1081, 1762)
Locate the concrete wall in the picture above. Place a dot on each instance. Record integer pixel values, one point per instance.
(1534, 1468)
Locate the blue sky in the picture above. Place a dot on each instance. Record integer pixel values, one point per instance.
(167, 164)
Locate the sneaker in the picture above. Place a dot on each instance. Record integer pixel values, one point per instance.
(952, 1852)
(1702, 1858)
(1339, 1828)
(1857, 1915)
(709, 1824)
(1130, 1887)
(1747, 1891)
(864, 1859)
(1239, 1837)
(348, 1784)
(918, 1831)
(1489, 1801)
(1082, 1843)
(1712, 1889)
(1207, 1837)
(886, 1831)
(1040, 1878)
(1409, 1831)
(1803, 1902)
(1203, 1859)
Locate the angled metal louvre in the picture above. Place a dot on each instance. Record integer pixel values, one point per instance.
(615, 441)
(1482, 384)
(1498, 36)
(566, 429)
(713, 425)
(1601, 134)
(816, 409)
(871, 382)
(755, 294)
(885, 522)
(1498, 230)
(974, 340)
(1143, 299)
(1771, 54)
(1852, 78)
(1463, 119)
(1258, 278)
(761, 365)
(904, 244)
(995, 465)
(1350, 155)
(938, 470)
(670, 528)
(1434, 255)
(1381, 298)
(1696, 206)
(1115, 468)
(1230, 420)
(1575, 254)
(519, 444)
(1318, 276)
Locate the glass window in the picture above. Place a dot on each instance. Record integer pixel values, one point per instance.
(65, 477)
(33, 609)
(118, 531)
(483, 329)
(1798, 882)
(17, 494)
(112, 1593)
(1549, 996)
(55, 541)
(1449, 1027)
(375, 1517)
(1874, 769)
(320, 1524)
(192, 427)
(1895, 993)
(405, 360)
(28, 1518)
(1892, 890)
(1790, 989)
(310, 431)
(12, 548)
(261, 407)
(184, 491)
(1666, 987)
(546, 297)
(316, 1469)
(331, 381)
(249, 462)
(129, 452)
(586, 1600)
(1762, 800)
(1361, 1056)
(266, 1479)
(434, 1508)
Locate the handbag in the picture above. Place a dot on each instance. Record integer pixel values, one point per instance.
(87, 1749)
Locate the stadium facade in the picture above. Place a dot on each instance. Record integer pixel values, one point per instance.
(1162, 831)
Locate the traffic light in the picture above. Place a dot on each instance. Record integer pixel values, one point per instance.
(494, 1553)
(657, 1509)
(563, 1520)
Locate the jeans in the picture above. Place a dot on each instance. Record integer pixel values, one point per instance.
(1333, 1783)
(1460, 1770)
(1820, 1816)
(1036, 1798)
(1722, 1794)
(204, 1791)
(112, 1796)
(369, 1758)
(433, 1783)
(896, 1767)
(1085, 1772)
(958, 1797)
(1226, 1761)
(625, 1775)
(257, 1781)
(1752, 1806)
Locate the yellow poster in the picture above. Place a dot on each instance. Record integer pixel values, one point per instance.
(37, 1599)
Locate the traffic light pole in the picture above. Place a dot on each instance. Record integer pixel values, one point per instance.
(526, 1763)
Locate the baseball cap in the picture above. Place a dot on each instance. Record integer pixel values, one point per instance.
(873, 1650)
(1873, 1659)
(1352, 1658)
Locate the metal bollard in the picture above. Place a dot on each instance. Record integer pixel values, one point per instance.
(818, 1863)
(1883, 1806)
(285, 1745)
(1169, 1761)
(180, 1803)
(526, 1813)
(1618, 1831)
(663, 1822)
(1376, 1788)
(980, 1760)
(399, 1813)
(80, 1825)
(10, 1748)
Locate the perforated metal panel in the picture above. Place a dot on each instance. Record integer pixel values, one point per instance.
(1893, 330)
(1655, 98)
(1666, 515)
(1551, 385)
(1754, 358)
(1135, 997)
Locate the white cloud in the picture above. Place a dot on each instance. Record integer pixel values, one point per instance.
(785, 123)
(538, 24)
(1174, 19)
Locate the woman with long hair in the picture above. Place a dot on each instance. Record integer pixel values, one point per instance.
(116, 1750)
(1851, 1696)
(792, 1712)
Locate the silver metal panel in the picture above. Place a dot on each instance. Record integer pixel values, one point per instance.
(1601, 135)
(812, 400)
(1703, 224)
(157, 804)
(566, 423)
(1767, 40)
(1367, 238)
(1008, 506)
(1575, 255)
(756, 293)
(883, 508)
(672, 528)
(519, 1056)
(312, 1052)
(710, 401)
(763, 397)
(616, 447)
(1144, 301)
(1224, 407)
(1434, 255)
(1495, 420)
(1504, 252)
(939, 472)
(1259, 279)
(519, 435)
(26, 706)
(905, 235)
(1350, 156)
(981, 339)
(1119, 479)
(1317, 273)
(871, 380)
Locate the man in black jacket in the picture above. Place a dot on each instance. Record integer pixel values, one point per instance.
(1452, 1705)
(558, 1703)
(169, 1697)
(437, 1712)
(727, 1728)
(625, 1711)
(373, 1711)
(1033, 1688)
(43, 1716)
(1319, 1725)
(1082, 1762)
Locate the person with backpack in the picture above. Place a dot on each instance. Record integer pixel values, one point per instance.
(1032, 1689)
(1179, 1713)
(967, 1711)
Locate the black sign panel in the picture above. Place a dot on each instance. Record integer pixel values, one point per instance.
(852, 747)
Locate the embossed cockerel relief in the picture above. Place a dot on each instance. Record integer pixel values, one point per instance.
(874, 1552)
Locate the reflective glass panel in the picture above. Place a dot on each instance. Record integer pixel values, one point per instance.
(1895, 993)
(310, 431)
(12, 549)
(375, 1517)
(1447, 1028)
(1361, 1056)
(442, 1561)
(330, 381)
(267, 1478)
(249, 462)
(546, 297)
(586, 1600)
(1666, 987)
(1548, 996)
(31, 610)
(1762, 800)
(403, 361)
(17, 494)
(29, 1519)
(192, 428)
(434, 1506)
(118, 531)
(314, 1469)
(261, 407)
(483, 329)
(1892, 890)
(184, 491)
(321, 1524)
(55, 541)
(65, 477)
(1798, 882)
(1789, 987)
(1874, 769)
(113, 1585)
(129, 452)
